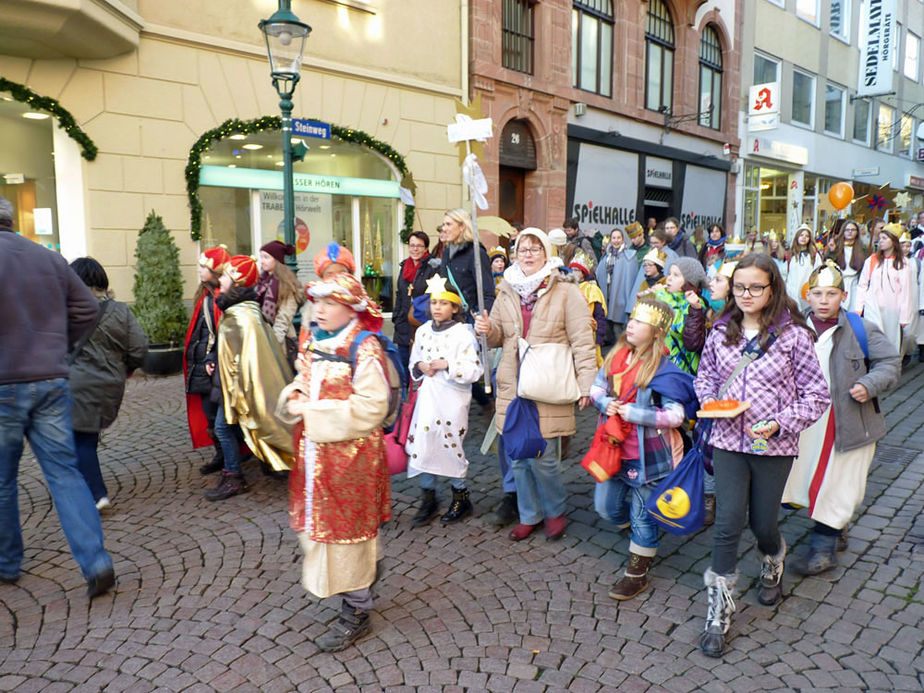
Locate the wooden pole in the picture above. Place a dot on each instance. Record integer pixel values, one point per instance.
(478, 285)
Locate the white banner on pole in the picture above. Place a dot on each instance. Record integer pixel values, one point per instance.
(877, 35)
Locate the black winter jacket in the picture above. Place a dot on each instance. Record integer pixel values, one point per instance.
(461, 269)
(198, 382)
(404, 331)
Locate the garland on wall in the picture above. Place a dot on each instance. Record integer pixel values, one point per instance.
(235, 126)
(22, 93)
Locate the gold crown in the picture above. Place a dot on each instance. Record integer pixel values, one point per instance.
(828, 275)
(905, 237)
(497, 250)
(658, 257)
(635, 230)
(727, 268)
(894, 228)
(658, 315)
(773, 236)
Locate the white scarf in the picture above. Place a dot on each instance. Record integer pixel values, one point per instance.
(526, 286)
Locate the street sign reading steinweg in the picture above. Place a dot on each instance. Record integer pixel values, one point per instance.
(311, 128)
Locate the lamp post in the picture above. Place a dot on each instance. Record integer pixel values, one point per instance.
(285, 41)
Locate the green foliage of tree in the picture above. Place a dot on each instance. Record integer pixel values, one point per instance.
(158, 285)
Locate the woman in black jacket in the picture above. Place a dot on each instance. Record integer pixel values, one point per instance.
(115, 348)
(457, 261)
(412, 282)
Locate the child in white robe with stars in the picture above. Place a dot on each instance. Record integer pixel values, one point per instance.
(444, 362)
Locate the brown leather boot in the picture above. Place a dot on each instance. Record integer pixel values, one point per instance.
(635, 579)
(709, 519)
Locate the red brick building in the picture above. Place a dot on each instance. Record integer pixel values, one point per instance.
(609, 111)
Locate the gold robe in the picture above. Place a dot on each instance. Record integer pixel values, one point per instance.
(253, 372)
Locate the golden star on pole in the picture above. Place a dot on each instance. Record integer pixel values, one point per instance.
(473, 111)
(408, 183)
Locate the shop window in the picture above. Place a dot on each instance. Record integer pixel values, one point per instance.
(344, 192)
(840, 19)
(834, 110)
(803, 99)
(896, 42)
(861, 111)
(807, 10)
(884, 134)
(912, 49)
(766, 70)
(904, 135)
(774, 189)
(659, 57)
(518, 23)
(751, 195)
(592, 46)
(710, 79)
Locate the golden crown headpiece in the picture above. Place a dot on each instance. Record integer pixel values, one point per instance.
(658, 257)
(894, 228)
(828, 275)
(436, 287)
(773, 236)
(654, 313)
(905, 237)
(727, 268)
(635, 230)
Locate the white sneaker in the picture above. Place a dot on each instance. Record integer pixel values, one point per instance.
(103, 504)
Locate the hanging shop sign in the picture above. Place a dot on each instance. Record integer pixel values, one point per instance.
(262, 179)
(877, 33)
(606, 187)
(916, 182)
(659, 173)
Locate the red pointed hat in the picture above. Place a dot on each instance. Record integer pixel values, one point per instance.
(243, 270)
(215, 258)
(346, 289)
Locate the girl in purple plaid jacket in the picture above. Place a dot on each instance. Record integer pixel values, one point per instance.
(753, 452)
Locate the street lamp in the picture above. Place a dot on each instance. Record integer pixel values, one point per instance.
(285, 41)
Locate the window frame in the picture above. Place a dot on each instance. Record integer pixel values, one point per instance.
(846, 7)
(869, 115)
(814, 78)
(667, 49)
(511, 35)
(580, 8)
(896, 58)
(917, 57)
(817, 21)
(891, 139)
(840, 133)
(713, 65)
(778, 63)
(901, 125)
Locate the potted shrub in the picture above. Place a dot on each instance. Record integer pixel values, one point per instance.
(158, 293)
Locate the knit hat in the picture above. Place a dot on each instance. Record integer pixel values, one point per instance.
(331, 254)
(658, 257)
(6, 212)
(243, 270)
(278, 250)
(540, 236)
(635, 230)
(691, 270)
(215, 258)
(557, 237)
(581, 261)
(346, 289)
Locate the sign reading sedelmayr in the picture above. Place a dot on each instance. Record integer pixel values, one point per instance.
(263, 179)
(877, 35)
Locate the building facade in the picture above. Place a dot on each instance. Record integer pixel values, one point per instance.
(609, 111)
(826, 125)
(146, 80)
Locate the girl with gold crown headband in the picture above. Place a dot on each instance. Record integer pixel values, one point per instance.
(647, 398)
(760, 351)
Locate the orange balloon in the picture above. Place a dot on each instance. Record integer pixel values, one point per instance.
(840, 195)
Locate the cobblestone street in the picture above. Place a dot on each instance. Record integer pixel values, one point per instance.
(208, 594)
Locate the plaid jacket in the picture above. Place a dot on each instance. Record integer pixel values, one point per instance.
(786, 384)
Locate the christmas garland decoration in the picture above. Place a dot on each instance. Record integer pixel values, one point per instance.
(235, 126)
(65, 120)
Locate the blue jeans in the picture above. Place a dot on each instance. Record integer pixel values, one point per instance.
(540, 489)
(428, 482)
(41, 412)
(610, 503)
(86, 445)
(227, 438)
(508, 483)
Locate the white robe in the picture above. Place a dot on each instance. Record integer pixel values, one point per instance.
(831, 486)
(440, 418)
(800, 268)
(851, 278)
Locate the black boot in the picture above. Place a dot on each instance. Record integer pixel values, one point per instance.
(217, 463)
(842, 538)
(920, 353)
(229, 485)
(821, 555)
(352, 625)
(427, 508)
(770, 586)
(718, 618)
(506, 512)
(459, 509)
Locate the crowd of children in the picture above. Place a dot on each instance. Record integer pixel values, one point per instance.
(674, 325)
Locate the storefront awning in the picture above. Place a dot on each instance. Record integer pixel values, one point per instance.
(262, 179)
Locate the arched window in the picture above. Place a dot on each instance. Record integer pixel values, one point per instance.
(710, 79)
(659, 57)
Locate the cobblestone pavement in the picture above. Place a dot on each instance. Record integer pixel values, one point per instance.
(208, 596)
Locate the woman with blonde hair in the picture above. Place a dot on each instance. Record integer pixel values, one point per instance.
(457, 261)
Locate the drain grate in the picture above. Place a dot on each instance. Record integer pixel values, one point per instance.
(892, 454)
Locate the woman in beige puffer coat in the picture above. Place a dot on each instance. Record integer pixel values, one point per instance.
(537, 300)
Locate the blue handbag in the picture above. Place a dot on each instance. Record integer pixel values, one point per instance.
(678, 504)
(421, 308)
(522, 435)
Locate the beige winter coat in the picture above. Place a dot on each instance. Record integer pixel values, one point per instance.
(561, 315)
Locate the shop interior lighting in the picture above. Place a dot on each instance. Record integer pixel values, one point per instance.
(253, 147)
(238, 137)
(35, 115)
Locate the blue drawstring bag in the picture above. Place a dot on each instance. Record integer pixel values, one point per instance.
(421, 308)
(522, 435)
(679, 504)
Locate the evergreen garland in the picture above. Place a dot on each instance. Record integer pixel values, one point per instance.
(88, 150)
(158, 285)
(234, 126)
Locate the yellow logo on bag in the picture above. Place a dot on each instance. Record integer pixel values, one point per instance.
(674, 503)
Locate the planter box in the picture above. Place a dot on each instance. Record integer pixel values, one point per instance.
(163, 359)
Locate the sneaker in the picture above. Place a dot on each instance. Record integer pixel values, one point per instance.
(229, 485)
(103, 504)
